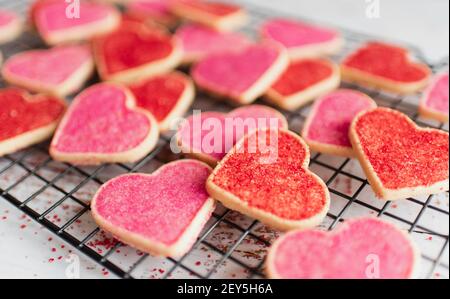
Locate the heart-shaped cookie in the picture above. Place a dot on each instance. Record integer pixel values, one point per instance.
(167, 97)
(435, 101)
(399, 158)
(10, 26)
(26, 119)
(365, 248)
(217, 15)
(303, 81)
(385, 66)
(155, 10)
(302, 40)
(210, 135)
(103, 125)
(135, 51)
(59, 71)
(199, 41)
(242, 75)
(60, 22)
(327, 126)
(162, 213)
(266, 176)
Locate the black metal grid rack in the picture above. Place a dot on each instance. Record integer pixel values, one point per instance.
(30, 177)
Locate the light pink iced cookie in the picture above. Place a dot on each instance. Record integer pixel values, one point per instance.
(155, 10)
(435, 101)
(103, 125)
(243, 75)
(199, 41)
(365, 248)
(10, 26)
(302, 40)
(59, 22)
(162, 213)
(58, 71)
(210, 135)
(327, 126)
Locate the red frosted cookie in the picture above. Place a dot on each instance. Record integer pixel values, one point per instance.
(162, 213)
(200, 41)
(327, 126)
(135, 51)
(59, 71)
(26, 119)
(209, 136)
(103, 125)
(10, 26)
(217, 15)
(400, 159)
(302, 40)
(302, 82)
(167, 97)
(266, 176)
(57, 23)
(155, 10)
(434, 103)
(242, 75)
(365, 248)
(385, 66)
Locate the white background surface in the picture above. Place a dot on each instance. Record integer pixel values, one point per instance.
(26, 249)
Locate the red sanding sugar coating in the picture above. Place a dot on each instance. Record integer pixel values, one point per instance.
(282, 187)
(303, 74)
(401, 155)
(214, 8)
(159, 95)
(159, 207)
(386, 61)
(19, 114)
(346, 253)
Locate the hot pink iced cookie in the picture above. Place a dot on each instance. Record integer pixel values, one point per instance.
(162, 213)
(199, 41)
(435, 101)
(366, 248)
(155, 10)
(242, 75)
(10, 26)
(103, 125)
(210, 135)
(59, 71)
(301, 39)
(327, 126)
(59, 22)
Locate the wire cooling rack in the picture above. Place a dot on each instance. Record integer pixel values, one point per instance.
(57, 195)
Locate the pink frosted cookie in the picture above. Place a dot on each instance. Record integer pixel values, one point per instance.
(399, 158)
(327, 126)
(302, 40)
(209, 136)
(59, 71)
(162, 213)
(242, 75)
(217, 15)
(10, 26)
(200, 41)
(302, 82)
(266, 176)
(365, 248)
(103, 125)
(59, 22)
(434, 103)
(155, 10)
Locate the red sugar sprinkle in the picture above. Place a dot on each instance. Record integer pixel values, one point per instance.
(23, 226)
(53, 249)
(198, 263)
(51, 260)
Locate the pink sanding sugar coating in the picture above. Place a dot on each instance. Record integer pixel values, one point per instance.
(437, 96)
(234, 73)
(6, 18)
(346, 253)
(100, 122)
(200, 137)
(332, 115)
(294, 34)
(51, 67)
(158, 207)
(159, 8)
(200, 41)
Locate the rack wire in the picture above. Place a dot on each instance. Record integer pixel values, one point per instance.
(56, 195)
